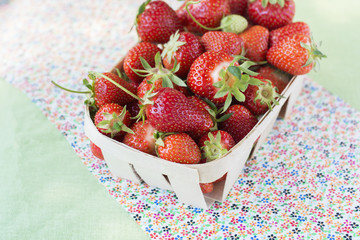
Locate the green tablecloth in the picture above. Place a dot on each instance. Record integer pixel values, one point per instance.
(62, 200)
(59, 200)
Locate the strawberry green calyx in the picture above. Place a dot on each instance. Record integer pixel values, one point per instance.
(114, 123)
(213, 148)
(145, 100)
(234, 23)
(267, 94)
(159, 71)
(314, 53)
(214, 112)
(172, 46)
(264, 3)
(235, 80)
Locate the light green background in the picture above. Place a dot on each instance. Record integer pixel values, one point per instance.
(60, 199)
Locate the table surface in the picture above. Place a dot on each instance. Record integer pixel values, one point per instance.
(62, 199)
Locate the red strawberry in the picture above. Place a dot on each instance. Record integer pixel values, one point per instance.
(106, 92)
(143, 137)
(217, 76)
(240, 123)
(223, 178)
(112, 120)
(205, 72)
(106, 88)
(185, 47)
(179, 148)
(238, 6)
(171, 111)
(256, 41)
(182, 14)
(133, 108)
(201, 104)
(269, 15)
(215, 144)
(288, 31)
(96, 151)
(278, 78)
(258, 99)
(222, 41)
(156, 21)
(132, 60)
(207, 187)
(295, 55)
(208, 13)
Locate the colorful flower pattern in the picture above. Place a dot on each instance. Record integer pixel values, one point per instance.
(303, 183)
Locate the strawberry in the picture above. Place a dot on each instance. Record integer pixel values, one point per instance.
(112, 120)
(133, 108)
(96, 151)
(215, 144)
(234, 23)
(256, 41)
(218, 76)
(222, 41)
(223, 178)
(209, 108)
(207, 187)
(238, 6)
(288, 31)
(271, 15)
(240, 123)
(179, 148)
(132, 60)
(185, 47)
(143, 137)
(201, 104)
(106, 88)
(106, 92)
(258, 99)
(278, 78)
(208, 13)
(171, 111)
(296, 55)
(182, 14)
(156, 21)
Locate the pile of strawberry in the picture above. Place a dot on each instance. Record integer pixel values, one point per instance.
(200, 76)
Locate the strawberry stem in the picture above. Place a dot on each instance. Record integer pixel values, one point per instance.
(196, 21)
(90, 100)
(70, 90)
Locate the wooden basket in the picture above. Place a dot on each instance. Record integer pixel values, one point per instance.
(184, 179)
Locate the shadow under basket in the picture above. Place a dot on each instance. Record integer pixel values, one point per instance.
(184, 179)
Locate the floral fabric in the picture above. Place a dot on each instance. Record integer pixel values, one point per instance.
(302, 184)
